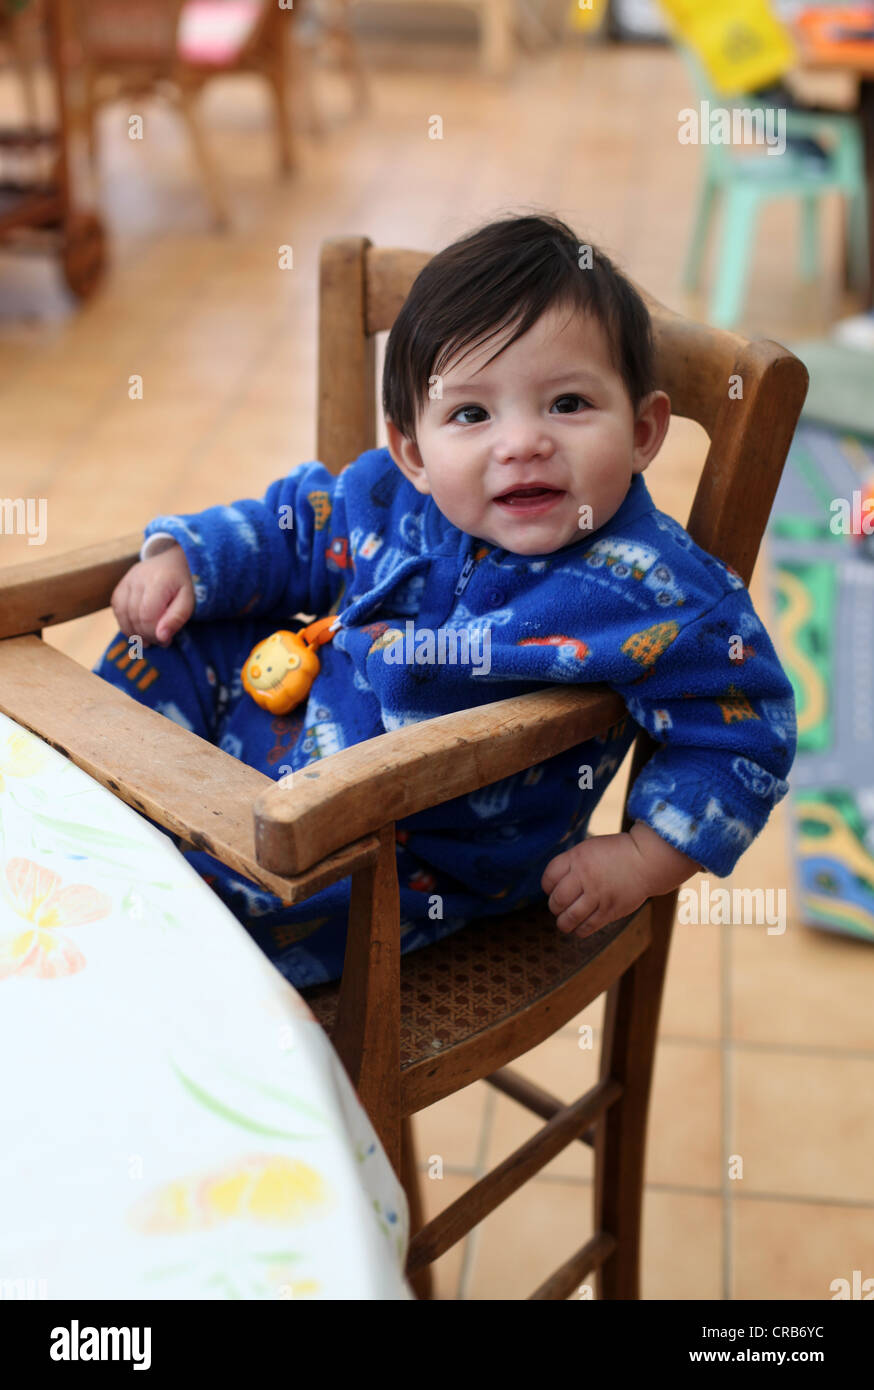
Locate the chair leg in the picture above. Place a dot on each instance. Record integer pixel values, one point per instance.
(734, 254)
(809, 237)
(422, 1283)
(340, 31)
(277, 73)
(628, 1055)
(300, 59)
(214, 193)
(89, 114)
(698, 244)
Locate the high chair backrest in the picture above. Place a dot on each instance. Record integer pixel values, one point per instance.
(745, 394)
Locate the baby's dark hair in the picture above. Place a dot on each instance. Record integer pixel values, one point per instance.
(509, 273)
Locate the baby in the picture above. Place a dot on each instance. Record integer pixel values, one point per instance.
(510, 510)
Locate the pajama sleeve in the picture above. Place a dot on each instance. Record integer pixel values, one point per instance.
(715, 696)
(256, 557)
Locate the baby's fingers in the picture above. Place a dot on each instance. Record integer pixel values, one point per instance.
(124, 602)
(570, 903)
(577, 913)
(555, 870)
(566, 891)
(174, 617)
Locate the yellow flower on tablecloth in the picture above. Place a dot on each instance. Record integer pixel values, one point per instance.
(299, 1288)
(35, 894)
(21, 755)
(264, 1188)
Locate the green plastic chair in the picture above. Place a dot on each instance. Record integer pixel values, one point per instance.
(746, 181)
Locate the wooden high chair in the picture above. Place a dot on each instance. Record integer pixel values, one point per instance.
(464, 1008)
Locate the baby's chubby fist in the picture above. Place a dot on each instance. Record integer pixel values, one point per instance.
(155, 598)
(608, 877)
(595, 883)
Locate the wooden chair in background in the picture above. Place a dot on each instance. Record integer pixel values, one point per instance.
(497, 19)
(174, 48)
(460, 1010)
(19, 34)
(331, 32)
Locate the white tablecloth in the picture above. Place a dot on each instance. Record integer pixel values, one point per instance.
(175, 1124)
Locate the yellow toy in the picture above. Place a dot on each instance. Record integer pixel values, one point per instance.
(278, 673)
(741, 44)
(586, 15)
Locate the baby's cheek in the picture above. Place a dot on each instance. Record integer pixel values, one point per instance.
(605, 499)
(461, 502)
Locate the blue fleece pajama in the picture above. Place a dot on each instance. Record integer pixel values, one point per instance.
(637, 605)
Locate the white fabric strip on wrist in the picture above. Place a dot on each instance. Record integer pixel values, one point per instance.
(155, 543)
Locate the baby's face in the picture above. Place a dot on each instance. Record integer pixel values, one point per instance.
(539, 447)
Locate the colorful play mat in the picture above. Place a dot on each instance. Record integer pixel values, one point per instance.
(823, 579)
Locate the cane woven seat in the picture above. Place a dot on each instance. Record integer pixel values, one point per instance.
(479, 975)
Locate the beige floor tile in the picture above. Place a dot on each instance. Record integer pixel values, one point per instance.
(796, 1250)
(85, 639)
(452, 1129)
(681, 1246)
(806, 988)
(803, 1124)
(436, 1195)
(592, 1016)
(692, 1003)
(607, 816)
(61, 408)
(567, 1071)
(684, 1145)
(222, 474)
(684, 1148)
(149, 434)
(528, 1237)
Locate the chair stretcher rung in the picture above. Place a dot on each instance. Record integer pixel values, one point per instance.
(533, 1097)
(567, 1277)
(452, 1224)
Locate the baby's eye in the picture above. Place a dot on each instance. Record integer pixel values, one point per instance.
(467, 410)
(567, 405)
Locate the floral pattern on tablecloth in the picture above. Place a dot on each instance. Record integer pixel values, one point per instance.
(176, 1123)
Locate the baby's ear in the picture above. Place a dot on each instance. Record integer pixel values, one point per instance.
(650, 428)
(405, 453)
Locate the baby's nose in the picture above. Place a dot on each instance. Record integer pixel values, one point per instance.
(523, 440)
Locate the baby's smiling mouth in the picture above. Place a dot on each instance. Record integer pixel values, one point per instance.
(535, 497)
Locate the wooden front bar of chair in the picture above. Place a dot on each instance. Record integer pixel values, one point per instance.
(463, 1009)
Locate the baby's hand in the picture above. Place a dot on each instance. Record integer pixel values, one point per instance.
(155, 598)
(610, 876)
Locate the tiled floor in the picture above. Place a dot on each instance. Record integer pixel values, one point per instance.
(767, 1041)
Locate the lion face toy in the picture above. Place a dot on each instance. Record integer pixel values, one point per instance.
(279, 672)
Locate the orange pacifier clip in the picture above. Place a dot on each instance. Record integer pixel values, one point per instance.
(278, 673)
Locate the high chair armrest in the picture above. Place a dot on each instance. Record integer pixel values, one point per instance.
(38, 593)
(195, 790)
(357, 791)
